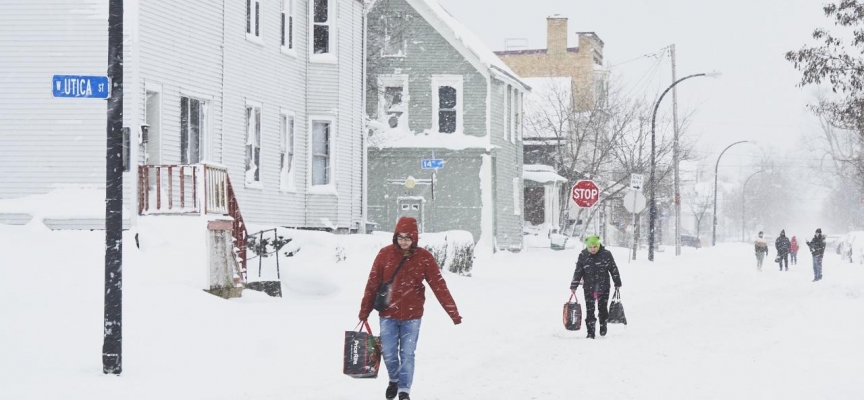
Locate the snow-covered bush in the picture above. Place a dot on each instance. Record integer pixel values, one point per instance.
(453, 250)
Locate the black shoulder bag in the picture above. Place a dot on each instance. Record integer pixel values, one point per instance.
(382, 298)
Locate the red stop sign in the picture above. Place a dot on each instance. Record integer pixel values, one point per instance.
(585, 193)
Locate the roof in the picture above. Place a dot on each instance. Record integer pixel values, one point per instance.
(462, 38)
(541, 174)
(531, 51)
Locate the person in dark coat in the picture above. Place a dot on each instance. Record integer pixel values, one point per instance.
(594, 267)
(783, 246)
(817, 249)
(400, 322)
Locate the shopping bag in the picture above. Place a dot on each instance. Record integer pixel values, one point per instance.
(616, 310)
(777, 259)
(572, 314)
(362, 356)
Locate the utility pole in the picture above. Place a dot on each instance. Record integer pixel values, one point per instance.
(112, 338)
(675, 160)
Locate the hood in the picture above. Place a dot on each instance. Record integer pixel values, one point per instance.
(406, 225)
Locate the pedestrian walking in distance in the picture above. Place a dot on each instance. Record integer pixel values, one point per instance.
(594, 266)
(761, 251)
(782, 245)
(817, 250)
(793, 250)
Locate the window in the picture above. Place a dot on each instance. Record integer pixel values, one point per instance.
(394, 39)
(287, 25)
(517, 189)
(519, 115)
(153, 137)
(514, 115)
(253, 19)
(321, 152)
(193, 124)
(447, 103)
(286, 152)
(393, 100)
(508, 103)
(322, 27)
(253, 143)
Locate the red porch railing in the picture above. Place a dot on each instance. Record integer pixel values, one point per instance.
(183, 189)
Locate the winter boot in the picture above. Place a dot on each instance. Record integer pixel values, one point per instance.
(602, 329)
(403, 396)
(392, 388)
(590, 328)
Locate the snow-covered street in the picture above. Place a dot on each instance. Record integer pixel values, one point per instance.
(704, 325)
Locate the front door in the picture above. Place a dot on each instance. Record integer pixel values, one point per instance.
(411, 207)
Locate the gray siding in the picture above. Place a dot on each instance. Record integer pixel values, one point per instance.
(457, 203)
(46, 141)
(508, 165)
(427, 53)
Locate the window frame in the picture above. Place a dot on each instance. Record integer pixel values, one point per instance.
(203, 129)
(330, 56)
(255, 21)
(386, 39)
(456, 82)
(287, 183)
(329, 187)
(249, 119)
(393, 80)
(288, 28)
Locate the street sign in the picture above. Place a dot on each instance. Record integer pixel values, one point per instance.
(634, 201)
(585, 193)
(79, 86)
(432, 163)
(636, 181)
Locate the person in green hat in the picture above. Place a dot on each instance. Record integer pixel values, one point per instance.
(594, 267)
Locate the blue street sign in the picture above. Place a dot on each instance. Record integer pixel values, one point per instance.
(431, 163)
(84, 87)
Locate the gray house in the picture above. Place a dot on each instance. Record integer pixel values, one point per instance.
(445, 114)
(259, 95)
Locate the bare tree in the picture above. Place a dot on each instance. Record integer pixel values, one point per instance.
(698, 204)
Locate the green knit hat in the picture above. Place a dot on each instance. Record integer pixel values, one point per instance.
(592, 240)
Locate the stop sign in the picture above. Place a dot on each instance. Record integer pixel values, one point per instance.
(585, 193)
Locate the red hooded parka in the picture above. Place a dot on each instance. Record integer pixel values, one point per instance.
(408, 292)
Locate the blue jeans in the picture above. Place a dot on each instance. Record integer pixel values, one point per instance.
(398, 343)
(817, 267)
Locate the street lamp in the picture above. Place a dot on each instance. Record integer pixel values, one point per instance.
(744, 190)
(652, 214)
(716, 169)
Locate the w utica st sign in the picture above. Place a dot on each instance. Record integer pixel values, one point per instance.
(585, 193)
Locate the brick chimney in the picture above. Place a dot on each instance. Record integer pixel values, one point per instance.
(556, 34)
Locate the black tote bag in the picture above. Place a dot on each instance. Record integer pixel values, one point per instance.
(382, 298)
(362, 356)
(572, 314)
(616, 310)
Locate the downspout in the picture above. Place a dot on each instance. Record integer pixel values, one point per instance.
(364, 157)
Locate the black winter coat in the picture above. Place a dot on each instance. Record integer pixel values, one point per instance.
(817, 245)
(782, 245)
(595, 269)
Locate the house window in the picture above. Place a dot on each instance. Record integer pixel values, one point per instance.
(253, 19)
(321, 171)
(518, 108)
(394, 38)
(514, 115)
(253, 143)
(508, 125)
(193, 124)
(322, 27)
(286, 152)
(393, 100)
(287, 25)
(447, 103)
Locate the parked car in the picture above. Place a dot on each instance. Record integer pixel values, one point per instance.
(852, 246)
(692, 241)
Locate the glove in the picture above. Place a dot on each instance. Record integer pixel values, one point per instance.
(457, 320)
(363, 318)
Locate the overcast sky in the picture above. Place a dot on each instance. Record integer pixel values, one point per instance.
(756, 97)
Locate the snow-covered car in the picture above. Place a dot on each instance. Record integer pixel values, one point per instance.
(852, 247)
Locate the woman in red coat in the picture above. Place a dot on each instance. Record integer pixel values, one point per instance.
(793, 250)
(400, 321)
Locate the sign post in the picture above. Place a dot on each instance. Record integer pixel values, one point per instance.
(112, 338)
(634, 201)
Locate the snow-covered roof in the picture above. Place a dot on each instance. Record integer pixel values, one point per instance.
(541, 174)
(386, 137)
(548, 106)
(460, 36)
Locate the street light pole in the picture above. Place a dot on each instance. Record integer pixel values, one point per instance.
(716, 170)
(744, 190)
(652, 214)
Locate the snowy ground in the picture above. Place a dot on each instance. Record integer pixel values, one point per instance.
(705, 325)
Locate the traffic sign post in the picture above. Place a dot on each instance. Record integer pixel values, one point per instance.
(634, 201)
(636, 181)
